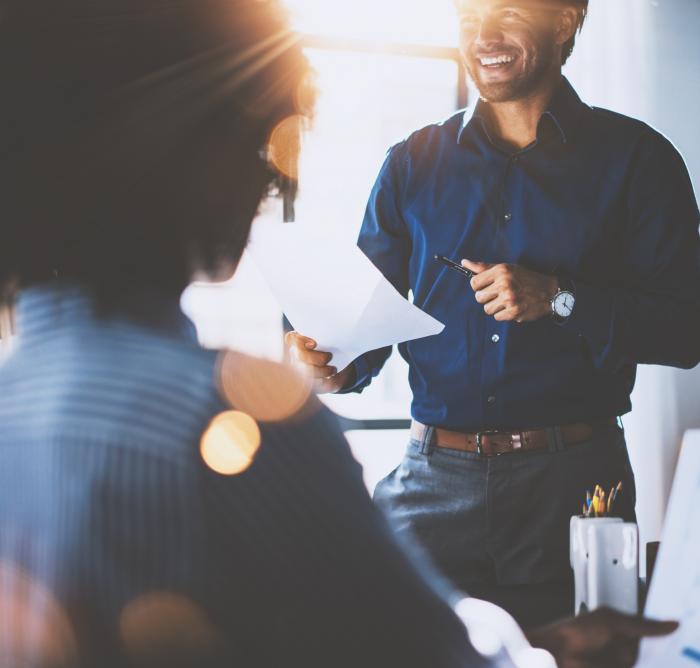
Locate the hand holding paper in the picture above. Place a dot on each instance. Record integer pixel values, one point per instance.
(335, 295)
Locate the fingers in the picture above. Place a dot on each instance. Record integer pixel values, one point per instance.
(495, 306)
(321, 371)
(639, 627)
(485, 278)
(312, 357)
(632, 626)
(493, 289)
(504, 308)
(296, 340)
(507, 315)
(303, 349)
(487, 295)
(316, 364)
(609, 638)
(335, 382)
(476, 267)
(501, 305)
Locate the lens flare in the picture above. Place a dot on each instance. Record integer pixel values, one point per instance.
(267, 391)
(284, 145)
(230, 443)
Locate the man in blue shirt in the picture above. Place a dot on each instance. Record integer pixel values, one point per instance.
(162, 504)
(581, 229)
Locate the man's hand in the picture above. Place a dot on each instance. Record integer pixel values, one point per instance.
(601, 639)
(316, 363)
(512, 293)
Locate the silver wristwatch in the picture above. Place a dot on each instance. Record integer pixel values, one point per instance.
(563, 302)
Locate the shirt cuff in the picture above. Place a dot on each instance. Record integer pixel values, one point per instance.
(592, 317)
(363, 375)
(497, 637)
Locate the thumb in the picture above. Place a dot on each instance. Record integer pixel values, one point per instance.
(294, 339)
(476, 267)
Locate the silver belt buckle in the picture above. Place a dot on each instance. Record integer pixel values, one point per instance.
(479, 436)
(516, 440)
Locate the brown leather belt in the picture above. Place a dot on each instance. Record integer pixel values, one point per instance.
(492, 443)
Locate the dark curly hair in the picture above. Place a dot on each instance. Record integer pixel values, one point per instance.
(133, 135)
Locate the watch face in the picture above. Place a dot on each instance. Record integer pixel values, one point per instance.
(564, 304)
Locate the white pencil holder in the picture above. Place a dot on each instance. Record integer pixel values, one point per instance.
(604, 553)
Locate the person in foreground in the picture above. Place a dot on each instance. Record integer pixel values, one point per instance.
(162, 504)
(580, 226)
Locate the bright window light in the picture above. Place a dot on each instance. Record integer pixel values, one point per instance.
(412, 21)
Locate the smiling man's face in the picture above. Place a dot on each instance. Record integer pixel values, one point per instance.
(509, 46)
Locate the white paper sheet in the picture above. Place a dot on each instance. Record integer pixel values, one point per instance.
(330, 291)
(675, 587)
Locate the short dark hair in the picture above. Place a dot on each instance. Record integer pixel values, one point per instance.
(582, 8)
(133, 135)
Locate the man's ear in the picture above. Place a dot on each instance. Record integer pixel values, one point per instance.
(567, 24)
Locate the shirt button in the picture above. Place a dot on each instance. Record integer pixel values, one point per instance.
(507, 217)
(492, 399)
(495, 338)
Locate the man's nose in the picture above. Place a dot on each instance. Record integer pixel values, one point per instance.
(489, 32)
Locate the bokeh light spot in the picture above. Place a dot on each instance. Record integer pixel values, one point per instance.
(160, 623)
(230, 443)
(266, 390)
(284, 145)
(35, 629)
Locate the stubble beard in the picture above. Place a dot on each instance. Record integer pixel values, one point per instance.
(525, 84)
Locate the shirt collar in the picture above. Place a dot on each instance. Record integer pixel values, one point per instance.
(562, 113)
(42, 310)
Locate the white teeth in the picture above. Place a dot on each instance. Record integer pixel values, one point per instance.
(498, 60)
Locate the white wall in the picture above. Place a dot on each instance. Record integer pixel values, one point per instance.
(642, 58)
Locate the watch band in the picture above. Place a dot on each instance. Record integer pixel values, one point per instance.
(566, 285)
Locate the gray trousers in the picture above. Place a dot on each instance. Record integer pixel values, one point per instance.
(498, 527)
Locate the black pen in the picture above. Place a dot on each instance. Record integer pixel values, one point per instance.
(455, 266)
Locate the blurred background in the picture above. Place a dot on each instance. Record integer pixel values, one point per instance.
(388, 67)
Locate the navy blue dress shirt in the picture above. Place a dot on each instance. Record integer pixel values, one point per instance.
(599, 199)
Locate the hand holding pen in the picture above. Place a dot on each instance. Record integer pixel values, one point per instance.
(455, 267)
(508, 292)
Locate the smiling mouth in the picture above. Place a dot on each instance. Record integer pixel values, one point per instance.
(493, 62)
